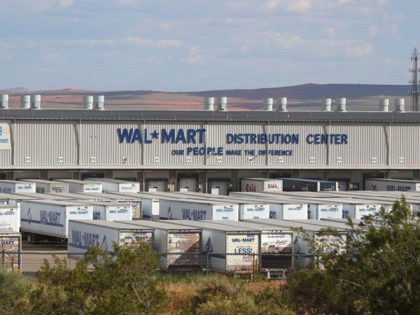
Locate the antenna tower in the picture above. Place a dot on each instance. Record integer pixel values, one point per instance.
(414, 81)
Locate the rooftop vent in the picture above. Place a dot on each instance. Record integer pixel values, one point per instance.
(25, 101)
(383, 105)
(99, 104)
(326, 105)
(399, 104)
(341, 104)
(268, 104)
(36, 102)
(222, 104)
(209, 104)
(88, 102)
(4, 101)
(283, 104)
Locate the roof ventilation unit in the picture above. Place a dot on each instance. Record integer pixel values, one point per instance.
(326, 105)
(209, 104)
(383, 105)
(5, 101)
(25, 101)
(99, 105)
(268, 104)
(399, 104)
(341, 104)
(283, 104)
(36, 102)
(222, 103)
(88, 102)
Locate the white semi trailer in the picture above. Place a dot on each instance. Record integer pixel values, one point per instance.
(49, 218)
(110, 211)
(9, 218)
(230, 249)
(49, 186)
(104, 234)
(111, 185)
(76, 186)
(392, 184)
(16, 186)
(320, 236)
(178, 245)
(198, 209)
(261, 185)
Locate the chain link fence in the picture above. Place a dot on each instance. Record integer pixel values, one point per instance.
(271, 265)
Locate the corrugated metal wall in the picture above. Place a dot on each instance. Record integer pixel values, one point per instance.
(84, 145)
(45, 144)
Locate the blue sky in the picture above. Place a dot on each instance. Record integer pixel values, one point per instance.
(194, 45)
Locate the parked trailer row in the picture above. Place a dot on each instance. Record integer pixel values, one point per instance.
(302, 248)
(116, 185)
(302, 184)
(230, 246)
(15, 186)
(389, 184)
(47, 186)
(105, 234)
(325, 206)
(249, 208)
(178, 245)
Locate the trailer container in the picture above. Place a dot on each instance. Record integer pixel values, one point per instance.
(178, 245)
(86, 233)
(116, 185)
(249, 208)
(302, 184)
(11, 250)
(51, 217)
(392, 184)
(133, 198)
(230, 249)
(149, 206)
(281, 206)
(198, 209)
(356, 209)
(9, 218)
(324, 208)
(261, 185)
(48, 186)
(110, 211)
(76, 186)
(322, 237)
(276, 246)
(16, 186)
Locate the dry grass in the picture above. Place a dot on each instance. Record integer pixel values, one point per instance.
(181, 293)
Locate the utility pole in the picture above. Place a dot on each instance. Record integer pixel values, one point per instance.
(414, 81)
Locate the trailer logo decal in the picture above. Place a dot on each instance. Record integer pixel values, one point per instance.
(84, 240)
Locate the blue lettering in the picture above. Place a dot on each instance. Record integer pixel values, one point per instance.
(323, 138)
(125, 135)
(137, 136)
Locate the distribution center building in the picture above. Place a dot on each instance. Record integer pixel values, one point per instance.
(196, 150)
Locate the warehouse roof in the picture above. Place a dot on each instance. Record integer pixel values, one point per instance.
(217, 116)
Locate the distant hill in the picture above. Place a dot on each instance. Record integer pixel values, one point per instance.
(314, 91)
(300, 97)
